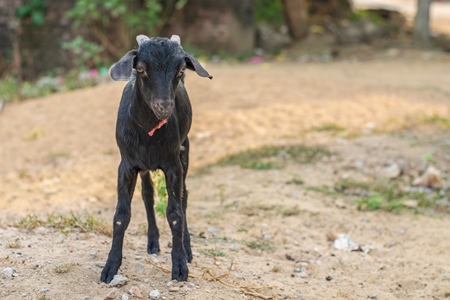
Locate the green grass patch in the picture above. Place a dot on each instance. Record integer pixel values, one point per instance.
(388, 195)
(274, 157)
(296, 181)
(212, 215)
(14, 245)
(66, 223)
(242, 229)
(437, 120)
(324, 189)
(363, 14)
(159, 185)
(213, 252)
(331, 127)
(291, 211)
(370, 203)
(44, 86)
(52, 157)
(261, 244)
(33, 134)
(64, 268)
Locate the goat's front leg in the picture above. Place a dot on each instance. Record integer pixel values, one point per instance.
(184, 157)
(177, 220)
(148, 197)
(125, 188)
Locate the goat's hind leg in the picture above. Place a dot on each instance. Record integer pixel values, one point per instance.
(148, 198)
(125, 188)
(176, 219)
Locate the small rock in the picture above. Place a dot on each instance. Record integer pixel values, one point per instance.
(290, 257)
(100, 264)
(303, 274)
(118, 280)
(111, 295)
(234, 247)
(135, 292)
(392, 171)
(86, 298)
(411, 203)
(297, 270)
(328, 278)
(44, 290)
(124, 297)
(154, 294)
(138, 267)
(9, 272)
(174, 289)
(344, 242)
(431, 179)
(340, 203)
(213, 229)
(373, 297)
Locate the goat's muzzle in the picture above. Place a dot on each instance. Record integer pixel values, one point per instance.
(163, 108)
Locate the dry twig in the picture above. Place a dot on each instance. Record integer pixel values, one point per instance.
(209, 276)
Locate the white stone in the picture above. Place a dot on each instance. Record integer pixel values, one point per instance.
(118, 280)
(154, 294)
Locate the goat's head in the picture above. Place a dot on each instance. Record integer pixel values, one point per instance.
(159, 65)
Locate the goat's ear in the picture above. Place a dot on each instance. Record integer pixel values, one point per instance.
(193, 64)
(122, 69)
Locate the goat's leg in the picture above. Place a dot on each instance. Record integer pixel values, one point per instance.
(125, 188)
(147, 196)
(176, 219)
(184, 157)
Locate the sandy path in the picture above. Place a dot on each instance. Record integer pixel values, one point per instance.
(72, 166)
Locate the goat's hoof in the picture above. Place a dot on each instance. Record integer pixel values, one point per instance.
(109, 271)
(189, 255)
(153, 247)
(180, 270)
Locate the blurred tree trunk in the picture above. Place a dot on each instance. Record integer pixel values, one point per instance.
(296, 15)
(422, 23)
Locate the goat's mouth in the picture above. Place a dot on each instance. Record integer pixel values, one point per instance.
(162, 115)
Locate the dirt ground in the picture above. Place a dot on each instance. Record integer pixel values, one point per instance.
(58, 155)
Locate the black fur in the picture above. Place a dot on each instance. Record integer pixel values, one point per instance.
(155, 92)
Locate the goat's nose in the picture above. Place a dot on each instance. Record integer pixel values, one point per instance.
(164, 105)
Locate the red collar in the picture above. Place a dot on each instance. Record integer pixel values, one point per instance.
(160, 124)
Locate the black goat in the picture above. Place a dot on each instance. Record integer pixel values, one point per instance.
(152, 126)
